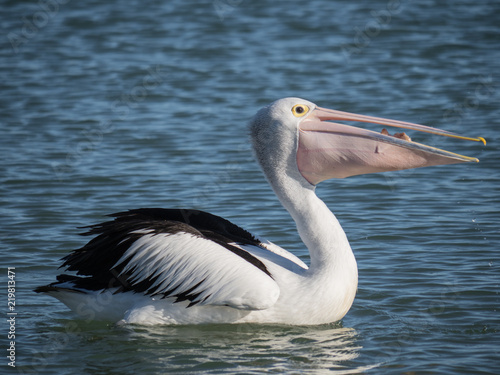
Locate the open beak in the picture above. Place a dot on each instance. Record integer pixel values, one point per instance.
(329, 150)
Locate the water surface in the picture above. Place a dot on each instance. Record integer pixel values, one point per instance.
(107, 106)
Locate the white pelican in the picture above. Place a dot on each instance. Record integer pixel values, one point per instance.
(175, 266)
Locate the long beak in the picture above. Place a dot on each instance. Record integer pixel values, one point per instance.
(329, 150)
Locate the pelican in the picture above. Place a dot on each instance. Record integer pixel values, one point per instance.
(178, 266)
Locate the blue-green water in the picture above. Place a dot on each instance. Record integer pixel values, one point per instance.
(110, 106)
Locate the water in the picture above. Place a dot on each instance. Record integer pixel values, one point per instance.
(107, 106)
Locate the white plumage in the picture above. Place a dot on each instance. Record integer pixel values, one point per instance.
(213, 276)
(173, 266)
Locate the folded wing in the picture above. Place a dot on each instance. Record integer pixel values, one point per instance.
(185, 255)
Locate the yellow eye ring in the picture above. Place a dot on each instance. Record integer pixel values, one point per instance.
(300, 110)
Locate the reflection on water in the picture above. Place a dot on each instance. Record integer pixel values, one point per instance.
(250, 347)
(239, 348)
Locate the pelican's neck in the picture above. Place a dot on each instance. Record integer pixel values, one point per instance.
(318, 227)
(332, 277)
(275, 146)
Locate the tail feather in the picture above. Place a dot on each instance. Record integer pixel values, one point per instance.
(87, 303)
(72, 284)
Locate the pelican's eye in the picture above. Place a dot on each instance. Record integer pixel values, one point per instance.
(300, 110)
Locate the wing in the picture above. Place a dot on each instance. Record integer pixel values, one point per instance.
(185, 254)
(284, 258)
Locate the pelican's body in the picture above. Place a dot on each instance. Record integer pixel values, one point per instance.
(262, 283)
(157, 266)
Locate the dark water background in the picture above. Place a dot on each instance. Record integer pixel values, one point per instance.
(106, 106)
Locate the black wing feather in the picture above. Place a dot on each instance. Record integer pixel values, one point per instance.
(98, 258)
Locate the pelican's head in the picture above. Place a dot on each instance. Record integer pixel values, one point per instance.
(295, 132)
